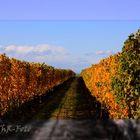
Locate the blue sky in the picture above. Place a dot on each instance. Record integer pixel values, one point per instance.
(66, 33)
(64, 44)
(70, 9)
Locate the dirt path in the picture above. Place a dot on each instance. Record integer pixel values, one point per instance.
(73, 101)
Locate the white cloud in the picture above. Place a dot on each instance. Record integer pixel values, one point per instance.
(53, 55)
(107, 52)
(26, 49)
(100, 52)
(95, 57)
(18, 49)
(39, 53)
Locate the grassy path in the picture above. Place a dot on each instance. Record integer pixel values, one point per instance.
(72, 101)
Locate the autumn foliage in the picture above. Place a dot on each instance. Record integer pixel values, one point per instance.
(21, 81)
(115, 81)
(98, 80)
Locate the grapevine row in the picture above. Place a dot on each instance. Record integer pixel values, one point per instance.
(115, 81)
(21, 81)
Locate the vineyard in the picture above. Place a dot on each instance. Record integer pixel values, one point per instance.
(115, 81)
(22, 81)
